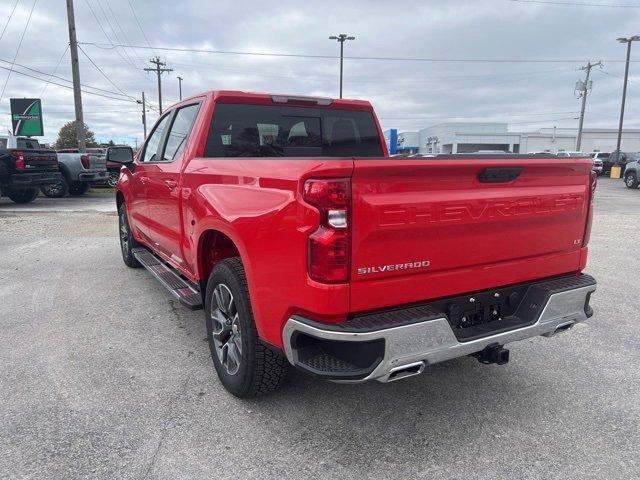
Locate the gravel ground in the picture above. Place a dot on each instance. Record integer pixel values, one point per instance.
(104, 376)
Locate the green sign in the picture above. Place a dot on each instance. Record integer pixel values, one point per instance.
(26, 117)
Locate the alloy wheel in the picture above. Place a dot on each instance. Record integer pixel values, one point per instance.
(113, 179)
(227, 336)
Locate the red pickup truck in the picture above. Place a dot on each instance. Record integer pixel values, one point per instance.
(286, 220)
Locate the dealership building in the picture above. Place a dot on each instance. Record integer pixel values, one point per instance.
(469, 137)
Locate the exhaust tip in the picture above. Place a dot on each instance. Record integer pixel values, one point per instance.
(563, 327)
(406, 371)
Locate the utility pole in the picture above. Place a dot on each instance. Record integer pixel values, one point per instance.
(159, 69)
(144, 114)
(341, 39)
(180, 87)
(583, 88)
(75, 73)
(628, 41)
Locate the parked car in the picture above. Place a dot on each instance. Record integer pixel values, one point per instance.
(563, 153)
(24, 167)
(609, 160)
(632, 170)
(285, 219)
(598, 165)
(113, 169)
(79, 171)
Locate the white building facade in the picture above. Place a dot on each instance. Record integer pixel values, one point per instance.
(469, 137)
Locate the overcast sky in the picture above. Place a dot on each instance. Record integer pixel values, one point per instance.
(407, 95)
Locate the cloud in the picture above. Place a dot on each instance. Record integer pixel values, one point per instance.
(407, 95)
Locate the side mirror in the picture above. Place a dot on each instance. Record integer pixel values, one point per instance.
(123, 155)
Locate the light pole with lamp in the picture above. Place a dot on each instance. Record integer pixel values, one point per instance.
(616, 164)
(341, 39)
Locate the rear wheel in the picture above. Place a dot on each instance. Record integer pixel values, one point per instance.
(56, 190)
(24, 195)
(127, 242)
(78, 188)
(245, 366)
(631, 180)
(114, 175)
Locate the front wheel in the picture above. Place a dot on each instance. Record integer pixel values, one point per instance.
(24, 195)
(245, 366)
(631, 180)
(127, 242)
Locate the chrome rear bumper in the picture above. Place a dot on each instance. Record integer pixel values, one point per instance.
(408, 348)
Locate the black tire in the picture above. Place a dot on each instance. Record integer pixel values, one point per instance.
(127, 242)
(260, 369)
(114, 175)
(78, 188)
(56, 190)
(631, 180)
(24, 195)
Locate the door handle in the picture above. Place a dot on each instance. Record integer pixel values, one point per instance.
(171, 184)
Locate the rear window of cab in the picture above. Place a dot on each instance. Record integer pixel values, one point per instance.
(239, 130)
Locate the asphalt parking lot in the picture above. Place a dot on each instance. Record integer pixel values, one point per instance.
(105, 376)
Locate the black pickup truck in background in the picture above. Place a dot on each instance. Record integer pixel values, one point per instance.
(24, 167)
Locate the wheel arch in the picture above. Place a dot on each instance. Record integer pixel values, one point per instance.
(213, 247)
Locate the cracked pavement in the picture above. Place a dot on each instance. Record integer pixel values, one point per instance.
(104, 376)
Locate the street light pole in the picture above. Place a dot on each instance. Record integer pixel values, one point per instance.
(628, 41)
(341, 39)
(180, 87)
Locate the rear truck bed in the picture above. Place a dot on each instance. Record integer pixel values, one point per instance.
(20, 169)
(510, 233)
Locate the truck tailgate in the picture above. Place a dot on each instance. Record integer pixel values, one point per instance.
(97, 162)
(428, 228)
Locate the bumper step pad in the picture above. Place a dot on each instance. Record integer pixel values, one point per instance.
(378, 345)
(186, 292)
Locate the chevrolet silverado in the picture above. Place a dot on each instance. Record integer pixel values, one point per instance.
(284, 218)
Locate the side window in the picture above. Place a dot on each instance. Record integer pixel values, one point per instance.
(179, 132)
(151, 148)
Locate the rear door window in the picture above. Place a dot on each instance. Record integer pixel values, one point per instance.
(284, 131)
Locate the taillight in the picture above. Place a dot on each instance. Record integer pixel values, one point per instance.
(329, 246)
(18, 160)
(85, 161)
(593, 182)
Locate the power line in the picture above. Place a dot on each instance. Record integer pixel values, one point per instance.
(54, 71)
(104, 75)
(115, 34)
(60, 78)
(333, 57)
(576, 4)
(140, 26)
(107, 37)
(18, 49)
(124, 34)
(9, 19)
(66, 86)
